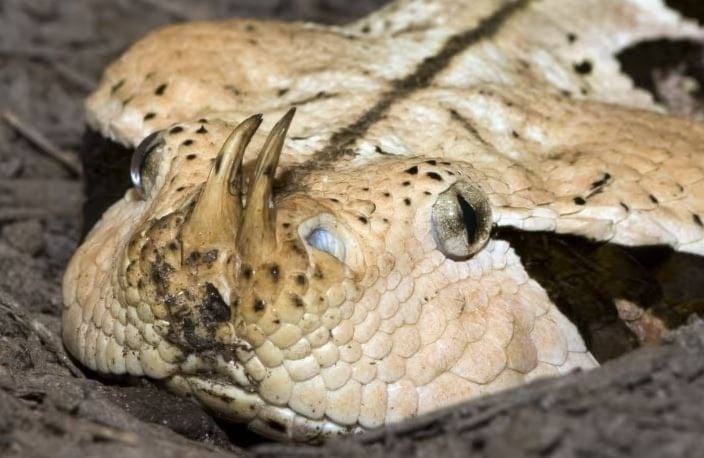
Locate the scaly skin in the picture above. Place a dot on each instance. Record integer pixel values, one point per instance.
(232, 301)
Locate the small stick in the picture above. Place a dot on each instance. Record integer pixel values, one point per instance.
(179, 13)
(38, 139)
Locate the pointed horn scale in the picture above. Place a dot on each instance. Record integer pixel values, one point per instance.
(257, 233)
(216, 215)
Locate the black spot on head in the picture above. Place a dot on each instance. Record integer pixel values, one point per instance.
(413, 170)
(193, 258)
(583, 68)
(176, 130)
(259, 305)
(150, 115)
(161, 89)
(180, 188)
(190, 157)
(406, 183)
(187, 142)
(434, 176)
(407, 201)
(697, 219)
(202, 130)
(286, 225)
(579, 200)
(571, 37)
(365, 189)
(427, 193)
(247, 272)
(116, 87)
(653, 199)
(274, 272)
(601, 181)
(387, 194)
(363, 219)
(432, 162)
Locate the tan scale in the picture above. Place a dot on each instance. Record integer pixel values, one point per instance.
(337, 272)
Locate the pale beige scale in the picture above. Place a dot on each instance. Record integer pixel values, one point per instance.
(337, 272)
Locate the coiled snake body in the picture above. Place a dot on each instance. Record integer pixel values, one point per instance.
(347, 274)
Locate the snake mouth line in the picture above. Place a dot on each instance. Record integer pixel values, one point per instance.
(276, 422)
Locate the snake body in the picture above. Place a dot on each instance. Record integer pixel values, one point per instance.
(339, 270)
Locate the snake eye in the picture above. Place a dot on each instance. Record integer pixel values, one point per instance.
(461, 221)
(142, 166)
(324, 240)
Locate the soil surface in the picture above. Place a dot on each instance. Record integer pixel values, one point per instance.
(647, 403)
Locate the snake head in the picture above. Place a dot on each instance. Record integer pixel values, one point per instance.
(323, 302)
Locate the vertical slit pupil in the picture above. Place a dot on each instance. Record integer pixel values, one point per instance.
(469, 218)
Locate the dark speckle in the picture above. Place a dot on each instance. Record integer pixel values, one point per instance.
(579, 201)
(282, 92)
(406, 183)
(514, 134)
(601, 181)
(203, 121)
(180, 188)
(161, 89)
(434, 176)
(274, 272)
(176, 130)
(202, 130)
(413, 170)
(247, 272)
(116, 87)
(407, 201)
(363, 219)
(259, 305)
(571, 37)
(653, 199)
(297, 301)
(427, 193)
(188, 142)
(625, 207)
(387, 194)
(698, 220)
(583, 68)
(301, 279)
(286, 225)
(432, 162)
(150, 115)
(190, 157)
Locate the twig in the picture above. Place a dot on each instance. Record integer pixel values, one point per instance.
(72, 75)
(38, 139)
(166, 6)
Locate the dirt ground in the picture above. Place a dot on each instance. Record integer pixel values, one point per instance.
(51, 56)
